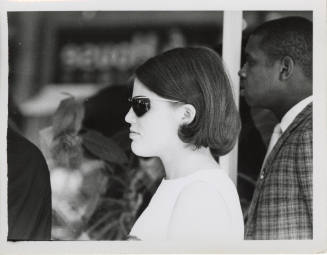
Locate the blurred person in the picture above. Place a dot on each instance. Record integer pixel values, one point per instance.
(105, 111)
(183, 112)
(29, 190)
(99, 186)
(77, 176)
(277, 75)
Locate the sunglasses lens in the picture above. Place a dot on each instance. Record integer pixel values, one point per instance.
(140, 105)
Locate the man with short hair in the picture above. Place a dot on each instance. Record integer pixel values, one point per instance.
(277, 75)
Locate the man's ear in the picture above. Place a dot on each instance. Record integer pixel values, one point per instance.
(188, 113)
(286, 67)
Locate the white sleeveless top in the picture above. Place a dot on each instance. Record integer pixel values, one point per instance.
(212, 213)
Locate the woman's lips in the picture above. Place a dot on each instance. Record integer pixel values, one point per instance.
(133, 134)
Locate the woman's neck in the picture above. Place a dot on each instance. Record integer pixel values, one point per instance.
(187, 161)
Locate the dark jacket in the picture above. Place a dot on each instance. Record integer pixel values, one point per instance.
(29, 190)
(281, 206)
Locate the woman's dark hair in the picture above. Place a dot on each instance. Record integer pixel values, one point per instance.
(196, 76)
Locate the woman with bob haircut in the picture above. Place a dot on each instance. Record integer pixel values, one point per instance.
(182, 111)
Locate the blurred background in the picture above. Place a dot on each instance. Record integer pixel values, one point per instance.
(90, 56)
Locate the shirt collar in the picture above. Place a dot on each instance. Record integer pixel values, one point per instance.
(293, 112)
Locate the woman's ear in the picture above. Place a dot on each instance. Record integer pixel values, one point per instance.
(188, 113)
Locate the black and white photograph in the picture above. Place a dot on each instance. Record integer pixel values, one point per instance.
(153, 129)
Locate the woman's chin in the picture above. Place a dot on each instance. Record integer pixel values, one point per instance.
(140, 150)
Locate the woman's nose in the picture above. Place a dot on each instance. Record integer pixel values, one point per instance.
(129, 118)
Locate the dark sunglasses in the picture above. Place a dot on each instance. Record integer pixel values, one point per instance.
(142, 105)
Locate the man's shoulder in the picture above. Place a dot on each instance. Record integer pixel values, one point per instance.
(24, 157)
(304, 127)
(302, 124)
(305, 116)
(19, 145)
(296, 142)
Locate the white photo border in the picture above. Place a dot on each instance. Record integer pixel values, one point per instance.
(317, 245)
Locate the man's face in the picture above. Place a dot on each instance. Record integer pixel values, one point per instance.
(259, 78)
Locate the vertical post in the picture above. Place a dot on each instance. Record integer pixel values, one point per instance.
(232, 37)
